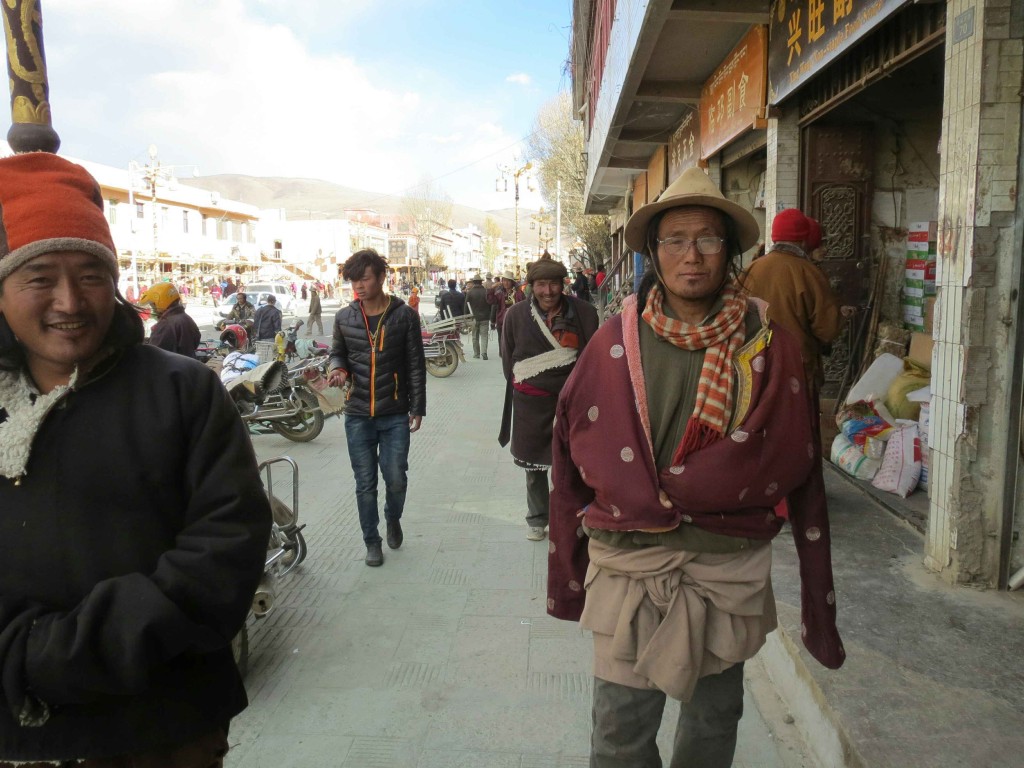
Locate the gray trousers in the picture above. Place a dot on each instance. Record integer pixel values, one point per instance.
(317, 318)
(537, 494)
(481, 331)
(626, 722)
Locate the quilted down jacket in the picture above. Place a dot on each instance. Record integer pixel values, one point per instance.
(389, 376)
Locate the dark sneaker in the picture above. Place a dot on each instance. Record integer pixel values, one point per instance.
(485, 355)
(394, 535)
(374, 555)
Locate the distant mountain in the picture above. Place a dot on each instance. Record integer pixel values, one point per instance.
(312, 198)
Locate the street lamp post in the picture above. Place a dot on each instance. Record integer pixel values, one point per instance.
(506, 172)
(151, 173)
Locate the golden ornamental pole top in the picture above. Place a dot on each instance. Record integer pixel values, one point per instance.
(31, 128)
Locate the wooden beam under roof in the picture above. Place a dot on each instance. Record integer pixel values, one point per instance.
(644, 136)
(629, 163)
(721, 11)
(669, 91)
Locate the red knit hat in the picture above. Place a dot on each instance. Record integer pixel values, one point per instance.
(813, 239)
(49, 204)
(789, 226)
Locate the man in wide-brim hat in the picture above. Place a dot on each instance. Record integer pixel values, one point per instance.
(501, 296)
(480, 309)
(684, 425)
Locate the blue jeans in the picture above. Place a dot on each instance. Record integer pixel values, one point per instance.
(383, 441)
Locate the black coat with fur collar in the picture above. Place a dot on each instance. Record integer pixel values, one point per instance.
(132, 542)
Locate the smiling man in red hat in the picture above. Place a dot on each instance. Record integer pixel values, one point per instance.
(683, 424)
(133, 520)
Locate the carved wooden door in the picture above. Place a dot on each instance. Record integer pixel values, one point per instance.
(837, 171)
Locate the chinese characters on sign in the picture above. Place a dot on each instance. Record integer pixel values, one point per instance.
(808, 34)
(684, 146)
(733, 99)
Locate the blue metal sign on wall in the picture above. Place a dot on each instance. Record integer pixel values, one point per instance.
(806, 35)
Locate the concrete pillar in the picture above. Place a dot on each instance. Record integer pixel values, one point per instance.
(976, 299)
(782, 179)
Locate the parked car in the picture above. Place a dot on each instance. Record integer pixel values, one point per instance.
(257, 294)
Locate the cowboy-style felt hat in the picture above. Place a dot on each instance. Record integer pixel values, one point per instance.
(507, 275)
(693, 187)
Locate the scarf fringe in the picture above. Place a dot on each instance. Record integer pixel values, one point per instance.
(698, 435)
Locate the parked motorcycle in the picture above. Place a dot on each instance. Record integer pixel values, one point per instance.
(295, 347)
(286, 548)
(275, 398)
(442, 346)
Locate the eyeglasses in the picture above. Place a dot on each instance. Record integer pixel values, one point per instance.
(677, 246)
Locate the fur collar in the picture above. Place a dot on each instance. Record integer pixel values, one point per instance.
(25, 411)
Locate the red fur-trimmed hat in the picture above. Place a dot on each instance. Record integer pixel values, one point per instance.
(789, 226)
(49, 204)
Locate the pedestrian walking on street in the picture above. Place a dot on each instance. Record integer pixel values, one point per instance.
(798, 292)
(175, 330)
(414, 299)
(315, 312)
(686, 422)
(453, 303)
(541, 342)
(377, 347)
(476, 299)
(501, 297)
(266, 322)
(134, 522)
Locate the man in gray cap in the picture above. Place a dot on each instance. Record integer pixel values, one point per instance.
(541, 340)
(660, 525)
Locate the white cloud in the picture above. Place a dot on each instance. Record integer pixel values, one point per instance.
(226, 85)
(519, 77)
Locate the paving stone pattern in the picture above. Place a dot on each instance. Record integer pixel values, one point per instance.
(444, 657)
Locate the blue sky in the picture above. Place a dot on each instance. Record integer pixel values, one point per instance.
(364, 93)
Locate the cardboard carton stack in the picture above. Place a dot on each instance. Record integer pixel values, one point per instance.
(919, 283)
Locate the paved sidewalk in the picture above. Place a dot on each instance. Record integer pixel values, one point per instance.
(444, 657)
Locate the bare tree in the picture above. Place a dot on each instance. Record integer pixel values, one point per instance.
(492, 243)
(557, 145)
(427, 210)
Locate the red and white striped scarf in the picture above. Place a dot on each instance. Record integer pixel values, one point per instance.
(720, 339)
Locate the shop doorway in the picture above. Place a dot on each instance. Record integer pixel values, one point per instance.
(837, 168)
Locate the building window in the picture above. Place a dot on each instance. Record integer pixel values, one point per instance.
(140, 211)
(112, 212)
(206, 226)
(222, 229)
(184, 222)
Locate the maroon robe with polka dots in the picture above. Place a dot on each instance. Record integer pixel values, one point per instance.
(604, 471)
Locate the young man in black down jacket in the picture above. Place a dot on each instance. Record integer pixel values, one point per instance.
(133, 522)
(379, 349)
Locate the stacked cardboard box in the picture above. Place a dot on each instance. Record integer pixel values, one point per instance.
(919, 281)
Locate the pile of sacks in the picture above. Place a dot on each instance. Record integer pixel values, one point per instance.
(883, 426)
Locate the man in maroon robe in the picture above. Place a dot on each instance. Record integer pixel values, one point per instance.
(685, 422)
